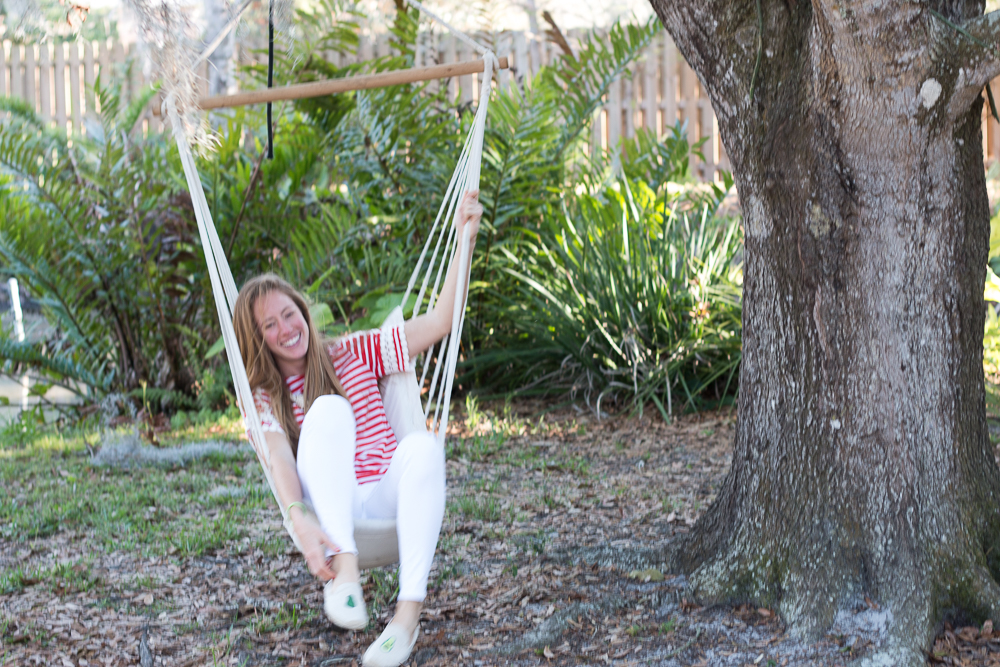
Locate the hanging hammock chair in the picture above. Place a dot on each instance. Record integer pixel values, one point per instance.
(376, 539)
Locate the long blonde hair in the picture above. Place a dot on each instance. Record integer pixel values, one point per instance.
(262, 369)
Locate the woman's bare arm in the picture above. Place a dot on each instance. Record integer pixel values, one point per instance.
(283, 471)
(425, 330)
(286, 483)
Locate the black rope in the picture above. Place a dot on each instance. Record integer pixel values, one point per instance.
(270, 76)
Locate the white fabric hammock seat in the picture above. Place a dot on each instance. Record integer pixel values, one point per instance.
(376, 539)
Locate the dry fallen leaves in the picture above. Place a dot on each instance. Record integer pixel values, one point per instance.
(478, 603)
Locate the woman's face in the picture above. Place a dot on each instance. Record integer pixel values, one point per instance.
(284, 329)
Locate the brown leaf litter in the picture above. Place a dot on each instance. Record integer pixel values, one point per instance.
(549, 555)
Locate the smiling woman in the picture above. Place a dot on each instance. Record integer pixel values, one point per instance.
(285, 331)
(330, 442)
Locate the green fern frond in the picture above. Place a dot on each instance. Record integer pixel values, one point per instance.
(602, 59)
(21, 110)
(63, 370)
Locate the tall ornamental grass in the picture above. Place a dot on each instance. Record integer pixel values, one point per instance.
(630, 294)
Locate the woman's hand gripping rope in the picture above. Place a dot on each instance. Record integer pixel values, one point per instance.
(470, 212)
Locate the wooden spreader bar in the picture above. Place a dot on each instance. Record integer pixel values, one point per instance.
(331, 86)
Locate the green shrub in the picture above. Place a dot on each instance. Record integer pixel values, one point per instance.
(631, 290)
(342, 211)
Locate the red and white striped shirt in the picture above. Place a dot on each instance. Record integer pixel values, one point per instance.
(359, 360)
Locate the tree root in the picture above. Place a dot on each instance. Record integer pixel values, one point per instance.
(898, 656)
(985, 599)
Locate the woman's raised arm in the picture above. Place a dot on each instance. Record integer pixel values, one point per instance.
(425, 330)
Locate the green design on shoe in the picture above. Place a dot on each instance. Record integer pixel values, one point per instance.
(388, 644)
(350, 601)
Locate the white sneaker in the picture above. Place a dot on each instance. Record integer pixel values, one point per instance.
(392, 648)
(344, 605)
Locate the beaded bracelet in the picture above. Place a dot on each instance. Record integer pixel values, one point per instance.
(300, 505)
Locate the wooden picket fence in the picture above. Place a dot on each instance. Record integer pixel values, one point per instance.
(58, 81)
(660, 90)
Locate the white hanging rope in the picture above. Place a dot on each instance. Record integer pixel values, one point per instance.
(455, 31)
(465, 178)
(224, 291)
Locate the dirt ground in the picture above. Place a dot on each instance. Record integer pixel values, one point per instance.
(550, 555)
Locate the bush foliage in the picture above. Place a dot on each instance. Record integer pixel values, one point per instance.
(612, 277)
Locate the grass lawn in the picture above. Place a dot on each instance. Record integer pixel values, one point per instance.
(53, 488)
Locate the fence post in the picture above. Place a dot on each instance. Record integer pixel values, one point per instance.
(994, 136)
(364, 47)
(15, 305)
(118, 62)
(522, 68)
(89, 75)
(45, 82)
(686, 104)
(503, 76)
(668, 81)
(104, 60)
(991, 138)
(135, 83)
(628, 103)
(649, 89)
(382, 45)
(614, 107)
(29, 76)
(3, 67)
(707, 130)
(74, 87)
(452, 57)
(465, 82)
(59, 81)
(16, 77)
(597, 131)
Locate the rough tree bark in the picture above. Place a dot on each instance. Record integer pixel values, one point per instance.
(862, 464)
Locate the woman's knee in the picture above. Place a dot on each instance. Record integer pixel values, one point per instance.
(330, 411)
(423, 450)
(329, 423)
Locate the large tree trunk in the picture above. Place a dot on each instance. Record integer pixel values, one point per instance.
(862, 464)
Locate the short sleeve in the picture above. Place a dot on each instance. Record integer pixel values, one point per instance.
(384, 351)
(395, 354)
(268, 422)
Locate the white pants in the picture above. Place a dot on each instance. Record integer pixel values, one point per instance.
(412, 490)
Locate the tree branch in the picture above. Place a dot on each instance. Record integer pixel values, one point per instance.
(705, 29)
(974, 46)
(721, 41)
